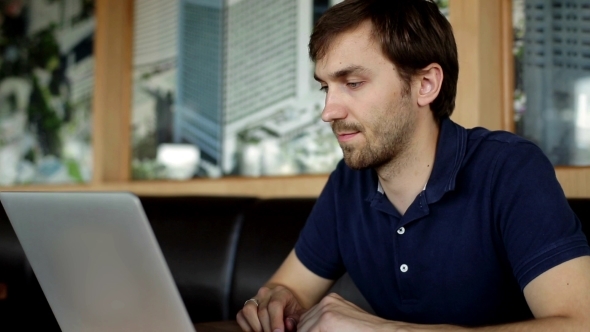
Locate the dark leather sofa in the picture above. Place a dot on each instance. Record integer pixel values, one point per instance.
(220, 250)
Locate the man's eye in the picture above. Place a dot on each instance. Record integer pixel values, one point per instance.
(324, 88)
(354, 84)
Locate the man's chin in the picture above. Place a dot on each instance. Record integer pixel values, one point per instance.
(362, 161)
(356, 165)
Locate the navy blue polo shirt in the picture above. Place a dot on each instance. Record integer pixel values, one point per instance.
(491, 219)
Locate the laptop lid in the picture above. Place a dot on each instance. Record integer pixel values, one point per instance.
(97, 261)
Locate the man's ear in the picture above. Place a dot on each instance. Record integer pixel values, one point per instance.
(430, 79)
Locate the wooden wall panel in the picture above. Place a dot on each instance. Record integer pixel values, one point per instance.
(575, 181)
(466, 28)
(112, 96)
(507, 66)
(478, 32)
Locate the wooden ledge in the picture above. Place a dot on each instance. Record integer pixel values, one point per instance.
(266, 187)
(574, 180)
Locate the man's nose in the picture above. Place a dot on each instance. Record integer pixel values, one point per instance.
(334, 109)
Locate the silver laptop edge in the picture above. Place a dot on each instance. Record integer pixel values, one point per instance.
(97, 261)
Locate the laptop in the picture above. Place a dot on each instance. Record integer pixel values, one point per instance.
(97, 261)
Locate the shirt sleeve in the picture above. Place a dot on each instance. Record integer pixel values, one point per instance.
(317, 246)
(538, 228)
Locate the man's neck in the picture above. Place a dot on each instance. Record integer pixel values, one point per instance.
(405, 177)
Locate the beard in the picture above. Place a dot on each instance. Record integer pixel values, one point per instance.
(387, 136)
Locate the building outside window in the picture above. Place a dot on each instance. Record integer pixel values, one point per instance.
(552, 62)
(225, 87)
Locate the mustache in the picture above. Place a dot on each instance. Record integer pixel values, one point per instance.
(340, 126)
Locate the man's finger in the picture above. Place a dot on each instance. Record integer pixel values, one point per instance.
(243, 322)
(264, 316)
(290, 324)
(250, 312)
(276, 310)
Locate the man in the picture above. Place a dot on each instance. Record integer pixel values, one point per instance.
(435, 224)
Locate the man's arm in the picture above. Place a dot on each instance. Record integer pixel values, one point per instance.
(290, 291)
(307, 287)
(559, 299)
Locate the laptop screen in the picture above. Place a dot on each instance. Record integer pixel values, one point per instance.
(97, 261)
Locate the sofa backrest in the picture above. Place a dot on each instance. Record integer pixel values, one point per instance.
(269, 232)
(581, 207)
(198, 237)
(220, 250)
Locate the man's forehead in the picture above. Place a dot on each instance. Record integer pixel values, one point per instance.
(348, 56)
(342, 71)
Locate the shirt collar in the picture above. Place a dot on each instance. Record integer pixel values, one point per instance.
(450, 151)
(379, 187)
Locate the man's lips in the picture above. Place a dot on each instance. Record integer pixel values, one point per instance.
(344, 137)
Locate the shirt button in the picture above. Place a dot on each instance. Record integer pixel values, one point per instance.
(404, 268)
(401, 231)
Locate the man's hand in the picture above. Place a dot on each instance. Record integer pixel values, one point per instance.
(333, 313)
(279, 304)
(277, 309)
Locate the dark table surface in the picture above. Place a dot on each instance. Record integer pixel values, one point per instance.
(225, 326)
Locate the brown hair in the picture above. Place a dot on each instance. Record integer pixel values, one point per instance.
(412, 33)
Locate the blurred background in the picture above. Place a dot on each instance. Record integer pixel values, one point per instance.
(224, 88)
(46, 89)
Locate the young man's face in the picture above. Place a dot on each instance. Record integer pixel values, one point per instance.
(368, 105)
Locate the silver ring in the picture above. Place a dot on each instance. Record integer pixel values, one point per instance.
(255, 301)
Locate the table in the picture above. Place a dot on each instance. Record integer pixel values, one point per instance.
(224, 326)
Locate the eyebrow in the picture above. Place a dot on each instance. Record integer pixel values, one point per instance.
(350, 70)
